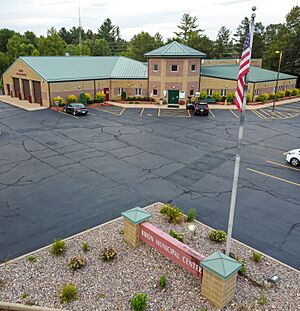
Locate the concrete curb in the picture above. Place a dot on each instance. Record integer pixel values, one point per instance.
(21, 307)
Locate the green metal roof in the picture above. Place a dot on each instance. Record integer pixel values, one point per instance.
(74, 68)
(175, 49)
(137, 215)
(230, 72)
(221, 265)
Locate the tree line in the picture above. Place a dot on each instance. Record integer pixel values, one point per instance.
(107, 41)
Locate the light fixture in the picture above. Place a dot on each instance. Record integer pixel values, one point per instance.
(193, 86)
(192, 228)
(173, 86)
(154, 86)
(274, 279)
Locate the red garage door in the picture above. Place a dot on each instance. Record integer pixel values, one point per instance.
(26, 89)
(37, 91)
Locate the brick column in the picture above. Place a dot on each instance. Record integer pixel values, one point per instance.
(30, 91)
(219, 278)
(132, 219)
(21, 95)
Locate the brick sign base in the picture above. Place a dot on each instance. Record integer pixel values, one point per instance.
(178, 252)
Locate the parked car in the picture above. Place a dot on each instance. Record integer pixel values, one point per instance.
(190, 105)
(201, 109)
(293, 157)
(76, 109)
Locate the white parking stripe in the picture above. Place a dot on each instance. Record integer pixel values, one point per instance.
(234, 113)
(69, 115)
(211, 113)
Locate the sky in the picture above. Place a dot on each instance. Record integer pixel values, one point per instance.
(134, 16)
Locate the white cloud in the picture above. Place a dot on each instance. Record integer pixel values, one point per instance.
(134, 16)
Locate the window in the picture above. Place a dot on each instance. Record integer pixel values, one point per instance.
(138, 91)
(120, 91)
(224, 92)
(155, 67)
(154, 92)
(191, 92)
(174, 68)
(209, 92)
(193, 67)
(256, 91)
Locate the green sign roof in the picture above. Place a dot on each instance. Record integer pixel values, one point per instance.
(230, 72)
(137, 215)
(221, 265)
(74, 68)
(175, 49)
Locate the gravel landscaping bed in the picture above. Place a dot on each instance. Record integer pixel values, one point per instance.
(111, 285)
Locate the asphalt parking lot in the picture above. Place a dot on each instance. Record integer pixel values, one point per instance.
(61, 174)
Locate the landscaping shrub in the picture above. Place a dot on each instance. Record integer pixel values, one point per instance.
(230, 97)
(172, 213)
(59, 100)
(123, 95)
(248, 98)
(265, 96)
(82, 99)
(178, 236)
(191, 215)
(272, 96)
(262, 300)
(139, 302)
(31, 258)
(108, 254)
(129, 98)
(257, 257)
(85, 247)
(262, 98)
(71, 99)
(130, 102)
(58, 247)
(243, 269)
(68, 293)
(295, 92)
(217, 96)
(280, 94)
(288, 93)
(217, 236)
(88, 97)
(223, 98)
(99, 98)
(24, 295)
(203, 95)
(162, 282)
(136, 102)
(76, 263)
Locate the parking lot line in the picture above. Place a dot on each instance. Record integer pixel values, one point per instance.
(189, 113)
(267, 114)
(122, 111)
(211, 113)
(158, 112)
(142, 111)
(234, 113)
(69, 115)
(279, 164)
(111, 112)
(288, 109)
(259, 115)
(274, 177)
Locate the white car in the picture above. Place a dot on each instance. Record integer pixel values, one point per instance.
(293, 157)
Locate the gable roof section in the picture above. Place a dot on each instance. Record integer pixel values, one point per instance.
(75, 68)
(230, 72)
(175, 49)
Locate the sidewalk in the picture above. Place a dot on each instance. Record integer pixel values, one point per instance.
(251, 106)
(23, 104)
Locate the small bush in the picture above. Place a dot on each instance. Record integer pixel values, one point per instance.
(203, 309)
(257, 257)
(172, 213)
(139, 302)
(108, 254)
(59, 100)
(162, 282)
(280, 94)
(248, 98)
(123, 95)
(71, 99)
(191, 215)
(82, 99)
(88, 97)
(131, 103)
(223, 98)
(99, 98)
(134, 98)
(85, 247)
(178, 236)
(217, 96)
(295, 92)
(217, 236)
(76, 263)
(230, 97)
(101, 296)
(288, 93)
(203, 95)
(265, 96)
(58, 247)
(262, 300)
(24, 295)
(243, 269)
(31, 258)
(136, 102)
(272, 96)
(68, 293)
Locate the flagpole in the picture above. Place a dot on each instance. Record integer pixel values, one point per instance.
(238, 151)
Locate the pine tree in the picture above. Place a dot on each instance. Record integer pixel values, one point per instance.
(188, 27)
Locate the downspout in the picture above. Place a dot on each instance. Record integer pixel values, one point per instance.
(253, 91)
(49, 94)
(94, 88)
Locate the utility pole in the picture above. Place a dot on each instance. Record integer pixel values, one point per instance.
(79, 28)
(238, 152)
(278, 71)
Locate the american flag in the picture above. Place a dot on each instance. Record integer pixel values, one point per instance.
(243, 70)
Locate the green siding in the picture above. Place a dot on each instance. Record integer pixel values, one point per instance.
(230, 72)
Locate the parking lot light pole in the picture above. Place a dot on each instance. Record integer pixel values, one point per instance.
(278, 72)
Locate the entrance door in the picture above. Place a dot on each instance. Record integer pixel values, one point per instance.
(106, 92)
(26, 89)
(173, 98)
(17, 87)
(37, 91)
(8, 89)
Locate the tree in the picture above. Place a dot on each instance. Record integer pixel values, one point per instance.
(188, 27)
(107, 31)
(201, 43)
(31, 38)
(75, 49)
(65, 35)
(5, 35)
(141, 44)
(99, 47)
(15, 47)
(4, 62)
(53, 44)
(223, 43)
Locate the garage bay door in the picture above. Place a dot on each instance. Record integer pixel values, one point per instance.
(37, 91)
(26, 89)
(16, 87)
